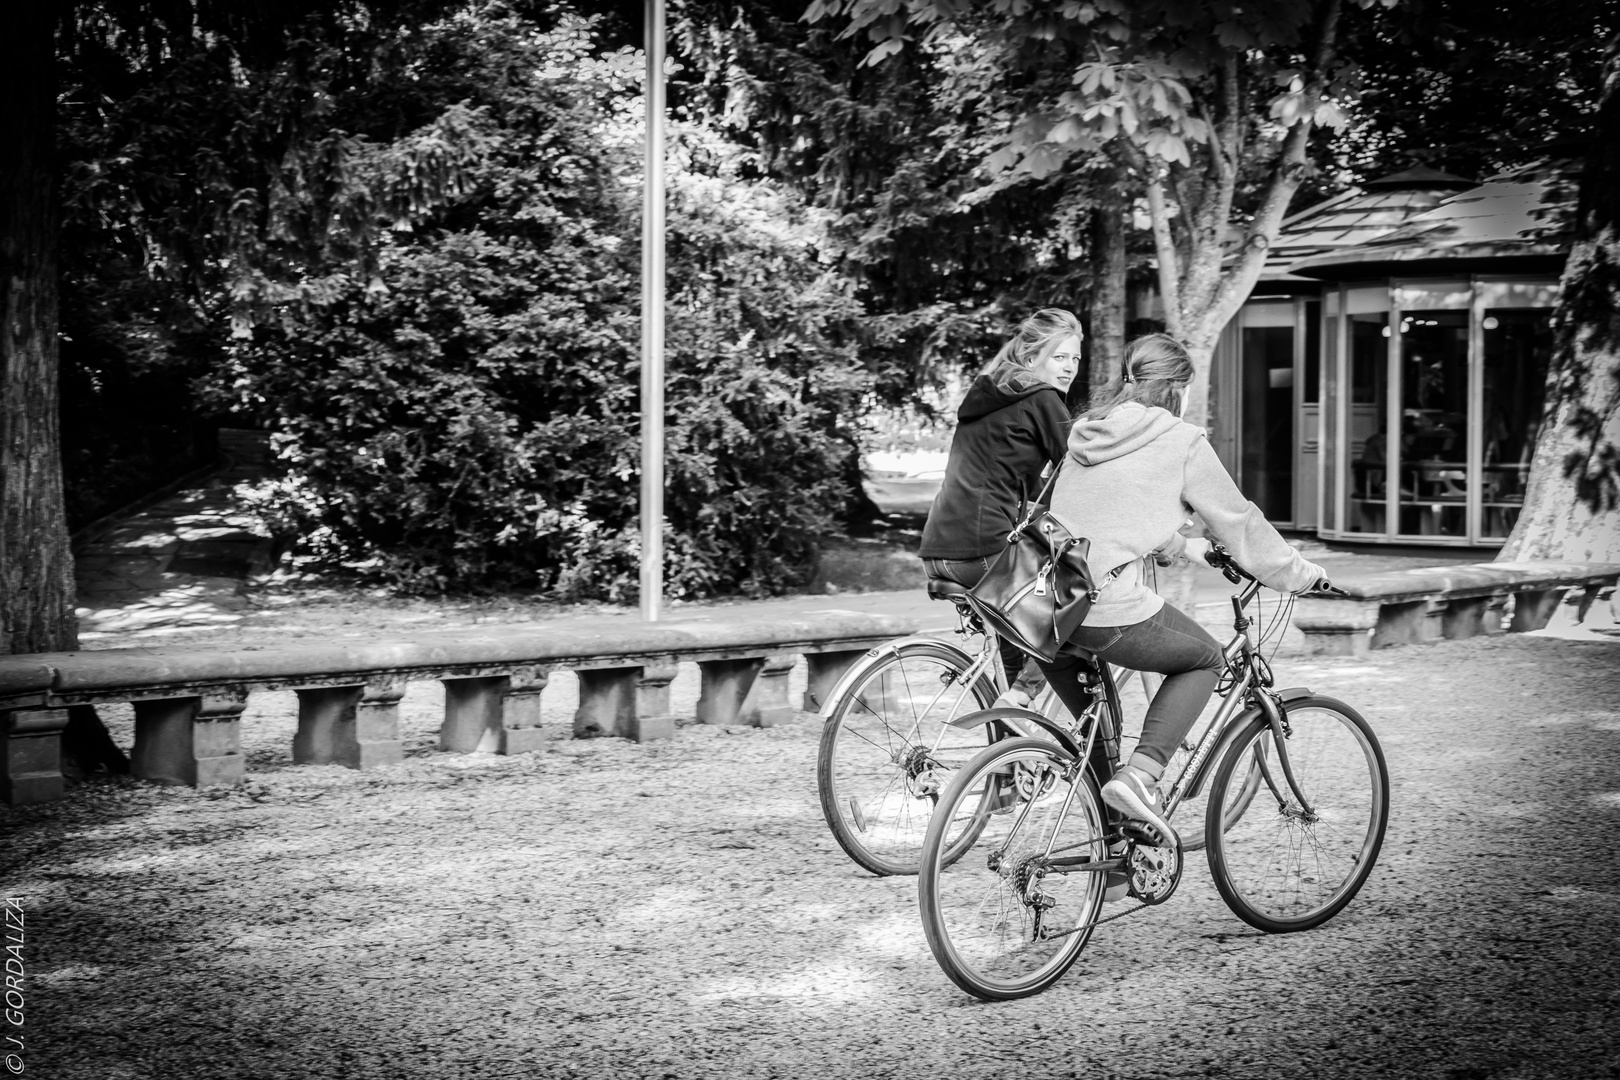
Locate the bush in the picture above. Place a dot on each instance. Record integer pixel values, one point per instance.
(469, 417)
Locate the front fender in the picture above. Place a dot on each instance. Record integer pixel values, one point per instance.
(1024, 716)
(1233, 730)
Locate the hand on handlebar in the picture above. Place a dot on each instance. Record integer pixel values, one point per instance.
(1197, 549)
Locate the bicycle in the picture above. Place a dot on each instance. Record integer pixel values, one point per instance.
(888, 745)
(1298, 800)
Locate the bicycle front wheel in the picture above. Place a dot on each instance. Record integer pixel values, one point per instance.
(888, 750)
(1282, 866)
(1009, 915)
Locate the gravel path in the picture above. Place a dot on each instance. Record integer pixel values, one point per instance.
(602, 909)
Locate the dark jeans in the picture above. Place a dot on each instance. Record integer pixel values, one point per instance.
(1169, 643)
(1022, 674)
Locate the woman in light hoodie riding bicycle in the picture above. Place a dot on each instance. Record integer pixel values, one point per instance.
(1133, 473)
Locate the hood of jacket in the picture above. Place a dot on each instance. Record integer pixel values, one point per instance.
(985, 397)
(1127, 427)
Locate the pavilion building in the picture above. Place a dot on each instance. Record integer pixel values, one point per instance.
(1384, 382)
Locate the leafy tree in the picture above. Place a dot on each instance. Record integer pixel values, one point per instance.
(941, 267)
(36, 571)
(1572, 501)
(36, 582)
(1208, 107)
(465, 414)
(1471, 86)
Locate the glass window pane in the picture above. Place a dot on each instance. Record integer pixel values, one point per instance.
(1518, 347)
(1368, 435)
(1433, 449)
(1313, 351)
(1266, 450)
(1329, 443)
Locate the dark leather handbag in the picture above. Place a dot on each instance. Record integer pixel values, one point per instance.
(1040, 587)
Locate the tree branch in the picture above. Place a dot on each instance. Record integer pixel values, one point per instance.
(1164, 246)
(1286, 175)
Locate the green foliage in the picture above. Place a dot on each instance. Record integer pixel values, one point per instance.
(942, 268)
(1475, 87)
(466, 413)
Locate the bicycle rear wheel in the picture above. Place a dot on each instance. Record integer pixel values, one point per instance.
(1280, 867)
(1011, 914)
(888, 750)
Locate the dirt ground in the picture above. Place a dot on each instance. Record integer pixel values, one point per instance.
(679, 910)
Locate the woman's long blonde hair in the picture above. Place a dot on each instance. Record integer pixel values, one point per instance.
(1156, 368)
(1035, 336)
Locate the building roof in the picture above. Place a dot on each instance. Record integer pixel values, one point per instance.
(1357, 216)
(1523, 213)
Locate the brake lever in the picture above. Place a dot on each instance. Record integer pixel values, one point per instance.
(1220, 560)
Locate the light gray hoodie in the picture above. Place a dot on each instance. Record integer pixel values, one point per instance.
(1129, 482)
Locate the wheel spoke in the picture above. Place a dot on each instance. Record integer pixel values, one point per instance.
(982, 911)
(887, 748)
(1293, 871)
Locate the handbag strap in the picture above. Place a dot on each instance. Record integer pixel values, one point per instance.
(1029, 514)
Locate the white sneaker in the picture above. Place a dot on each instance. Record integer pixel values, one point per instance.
(1134, 795)
(1011, 699)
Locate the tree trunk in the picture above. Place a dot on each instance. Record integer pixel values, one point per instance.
(36, 568)
(1107, 292)
(1572, 501)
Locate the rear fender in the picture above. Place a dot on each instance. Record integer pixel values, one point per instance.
(876, 655)
(1058, 732)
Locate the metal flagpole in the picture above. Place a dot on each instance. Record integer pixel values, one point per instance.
(652, 326)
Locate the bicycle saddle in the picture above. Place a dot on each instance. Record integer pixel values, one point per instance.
(940, 589)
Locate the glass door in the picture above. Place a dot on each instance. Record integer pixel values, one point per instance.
(1266, 387)
(1367, 341)
(1433, 382)
(1516, 342)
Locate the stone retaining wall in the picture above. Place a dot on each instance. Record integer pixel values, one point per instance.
(189, 700)
(1400, 607)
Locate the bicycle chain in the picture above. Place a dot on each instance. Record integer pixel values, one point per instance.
(1094, 925)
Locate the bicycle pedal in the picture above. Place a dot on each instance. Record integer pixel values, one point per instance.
(1144, 834)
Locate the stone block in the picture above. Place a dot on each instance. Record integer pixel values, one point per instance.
(1534, 607)
(653, 719)
(1336, 627)
(31, 755)
(607, 702)
(1409, 622)
(825, 669)
(195, 741)
(357, 726)
(473, 714)
(726, 684)
(1465, 617)
(520, 711)
(768, 703)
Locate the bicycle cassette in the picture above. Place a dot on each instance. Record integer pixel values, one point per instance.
(1154, 872)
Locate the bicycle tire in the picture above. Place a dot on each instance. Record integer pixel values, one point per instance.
(869, 773)
(1281, 870)
(983, 929)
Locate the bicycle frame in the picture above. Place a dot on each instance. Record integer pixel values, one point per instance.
(1251, 684)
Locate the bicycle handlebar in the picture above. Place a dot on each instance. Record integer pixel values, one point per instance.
(1221, 559)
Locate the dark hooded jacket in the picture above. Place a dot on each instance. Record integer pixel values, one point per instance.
(1005, 436)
